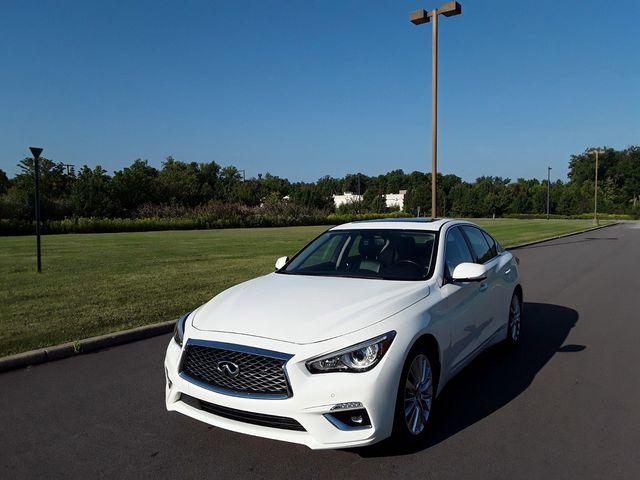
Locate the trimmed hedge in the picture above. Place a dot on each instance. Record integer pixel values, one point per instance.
(582, 216)
(115, 225)
(231, 217)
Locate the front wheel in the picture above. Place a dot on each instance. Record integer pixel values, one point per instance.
(416, 392)
(515, 320)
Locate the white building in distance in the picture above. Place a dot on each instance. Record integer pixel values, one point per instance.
(395, 200)
(392, 200)
(346, 198)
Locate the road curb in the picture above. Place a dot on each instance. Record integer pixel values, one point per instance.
(564, 235)
(66, 350)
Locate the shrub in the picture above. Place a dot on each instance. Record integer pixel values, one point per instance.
(169, 217)
(582, 216)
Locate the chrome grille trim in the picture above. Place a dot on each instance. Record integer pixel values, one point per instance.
(262, 372)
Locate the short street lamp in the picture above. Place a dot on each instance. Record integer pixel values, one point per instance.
(595, 195)
(419, 17)
(36, 165)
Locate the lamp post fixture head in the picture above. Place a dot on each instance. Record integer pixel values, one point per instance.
(35, 151)
(419, 17)
(448, 9)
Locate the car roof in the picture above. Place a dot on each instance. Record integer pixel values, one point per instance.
(409, 223)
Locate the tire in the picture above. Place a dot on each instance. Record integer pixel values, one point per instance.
(514, 326)
(411, 423)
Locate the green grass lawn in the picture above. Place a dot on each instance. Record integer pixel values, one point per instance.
(98, 283)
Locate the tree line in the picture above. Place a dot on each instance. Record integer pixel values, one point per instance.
(143, 191)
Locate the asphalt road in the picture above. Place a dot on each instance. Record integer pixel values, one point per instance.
(566, 404)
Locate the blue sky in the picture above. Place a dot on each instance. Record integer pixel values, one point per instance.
(309, 88)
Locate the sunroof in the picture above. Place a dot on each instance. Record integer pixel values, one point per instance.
(403, 220)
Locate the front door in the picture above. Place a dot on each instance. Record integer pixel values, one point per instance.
(464, 305)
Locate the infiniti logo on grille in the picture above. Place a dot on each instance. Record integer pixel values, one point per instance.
(228, 368)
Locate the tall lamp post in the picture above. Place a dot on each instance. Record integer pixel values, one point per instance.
(548, 189)
(36, 160)
(419, 17)
(595, 195)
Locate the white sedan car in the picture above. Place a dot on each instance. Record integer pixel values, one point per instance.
(352, 339)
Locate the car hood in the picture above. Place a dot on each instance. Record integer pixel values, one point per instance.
(305, 309)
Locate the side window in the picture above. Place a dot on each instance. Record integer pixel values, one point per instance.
(478, 243)
(456, 251)
(493, 245)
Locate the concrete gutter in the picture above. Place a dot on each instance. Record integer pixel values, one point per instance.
(57, 352)
(92, 344)
(564, 235)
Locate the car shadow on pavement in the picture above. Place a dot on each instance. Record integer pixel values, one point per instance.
(493, 379)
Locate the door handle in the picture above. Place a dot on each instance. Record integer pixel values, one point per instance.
(483, 286)
(507, 271)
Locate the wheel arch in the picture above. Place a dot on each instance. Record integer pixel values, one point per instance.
(430, 342)
(518, 291)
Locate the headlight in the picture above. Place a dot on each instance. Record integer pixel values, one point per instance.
(178, 331)
(358, 358)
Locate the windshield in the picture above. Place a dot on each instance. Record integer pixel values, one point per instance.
(380, 254)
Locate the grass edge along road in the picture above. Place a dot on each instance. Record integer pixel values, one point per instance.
(93, 284)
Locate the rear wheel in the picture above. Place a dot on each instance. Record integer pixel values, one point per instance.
(515, 320)
(416, 394)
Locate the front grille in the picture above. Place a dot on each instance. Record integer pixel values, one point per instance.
(261, 372)
(273, 421)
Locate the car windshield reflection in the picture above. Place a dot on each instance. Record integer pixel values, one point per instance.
(371, 254)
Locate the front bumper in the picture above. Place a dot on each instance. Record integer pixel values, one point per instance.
(313, 397)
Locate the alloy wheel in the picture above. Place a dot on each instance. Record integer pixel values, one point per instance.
(418, 394)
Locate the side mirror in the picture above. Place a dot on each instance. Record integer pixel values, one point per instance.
(281, 262)
(469, 272)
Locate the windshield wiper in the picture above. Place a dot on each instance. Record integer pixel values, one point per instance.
(323, 274)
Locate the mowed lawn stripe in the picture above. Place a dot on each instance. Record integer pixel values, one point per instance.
(99, 283)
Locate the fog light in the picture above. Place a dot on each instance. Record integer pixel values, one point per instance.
(349, 419)
(357, 419)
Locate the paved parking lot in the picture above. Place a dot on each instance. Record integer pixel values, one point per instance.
(564, 405)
